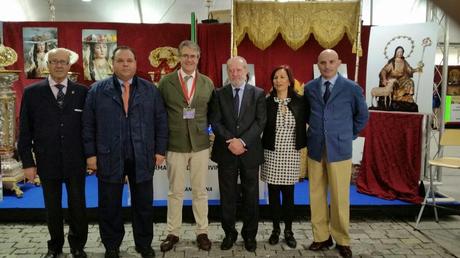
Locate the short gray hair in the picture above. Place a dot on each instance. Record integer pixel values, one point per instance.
(189, 44)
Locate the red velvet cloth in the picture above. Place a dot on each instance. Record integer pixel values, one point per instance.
(391, 163)
(301, 61)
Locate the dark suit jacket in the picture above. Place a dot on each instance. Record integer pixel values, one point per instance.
(249, 126)
(334, 125)
(102, 128)
(298, 109)
(52, 134)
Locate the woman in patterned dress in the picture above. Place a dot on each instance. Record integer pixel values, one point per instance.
(284, 136)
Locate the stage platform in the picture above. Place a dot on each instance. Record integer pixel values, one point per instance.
(31, 205)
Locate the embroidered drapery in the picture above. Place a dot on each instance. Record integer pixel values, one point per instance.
(296, 21)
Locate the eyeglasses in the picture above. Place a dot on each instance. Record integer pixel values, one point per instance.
(56, 62)
(185, 56)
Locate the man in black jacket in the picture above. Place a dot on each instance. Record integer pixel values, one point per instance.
(238, 119)
(50, 145)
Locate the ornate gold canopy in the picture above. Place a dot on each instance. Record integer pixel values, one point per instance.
(296, 21)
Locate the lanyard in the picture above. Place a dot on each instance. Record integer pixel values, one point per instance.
(185, 91)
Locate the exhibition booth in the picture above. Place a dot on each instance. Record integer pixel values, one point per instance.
(393, 157)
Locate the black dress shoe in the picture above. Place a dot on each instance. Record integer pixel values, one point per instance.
(289, 239)
(250, 244)
(168, 244)
(228, 241)
(274, 237)
(344, 251)
(146, 252)
(113, 253)
(317, 246)
(78, 253)
(52, 254)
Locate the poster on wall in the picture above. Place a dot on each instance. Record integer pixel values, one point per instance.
(36, 43)
(400, 67)
(97, 49)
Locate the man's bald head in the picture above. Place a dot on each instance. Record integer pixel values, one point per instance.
(328, 63)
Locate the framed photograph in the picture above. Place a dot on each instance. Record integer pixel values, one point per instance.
(37, 42)
(97, 49)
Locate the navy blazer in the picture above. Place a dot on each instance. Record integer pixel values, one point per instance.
(102, 124)
(50, 134)
(337, 123)
(248, 126)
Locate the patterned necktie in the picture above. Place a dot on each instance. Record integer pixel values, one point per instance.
(327, 92)
(60, 95)
(125, 96)
(236, 102)
(186, 79)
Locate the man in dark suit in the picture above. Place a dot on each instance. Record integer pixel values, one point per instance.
(50, 129)
(337, 113)
(238, 116)
(125, 134)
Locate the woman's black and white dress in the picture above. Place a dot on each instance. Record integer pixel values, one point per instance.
(282, 165)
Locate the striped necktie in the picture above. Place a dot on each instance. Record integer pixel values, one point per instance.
(60, 95)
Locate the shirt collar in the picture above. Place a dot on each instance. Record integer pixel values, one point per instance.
(121, 82)
(54, 83)
(332, 80)
(241, 87)
(183, 74)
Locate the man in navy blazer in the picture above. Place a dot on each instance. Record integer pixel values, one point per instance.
(238, 117)
(125, 134)
(337, 113)
(50, 145)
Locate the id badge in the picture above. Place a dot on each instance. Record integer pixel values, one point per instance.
(188, 113)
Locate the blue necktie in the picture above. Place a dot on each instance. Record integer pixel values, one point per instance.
(60, 95)
(327, 92)
(236, 102)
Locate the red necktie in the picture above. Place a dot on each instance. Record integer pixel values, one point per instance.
(125, 96)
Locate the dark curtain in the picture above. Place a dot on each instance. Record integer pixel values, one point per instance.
(214, 41)
(391, 163)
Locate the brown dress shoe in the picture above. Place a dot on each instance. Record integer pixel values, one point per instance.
(203, 242)
(344, 250)
(317, 246)
(169, 243)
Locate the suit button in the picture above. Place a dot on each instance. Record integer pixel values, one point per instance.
(62, 136)
(237, 127)
(62, 124)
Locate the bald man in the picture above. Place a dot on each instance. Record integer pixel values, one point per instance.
(337, 112)
(238, 119)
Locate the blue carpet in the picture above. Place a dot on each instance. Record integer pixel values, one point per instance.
(33, 197)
